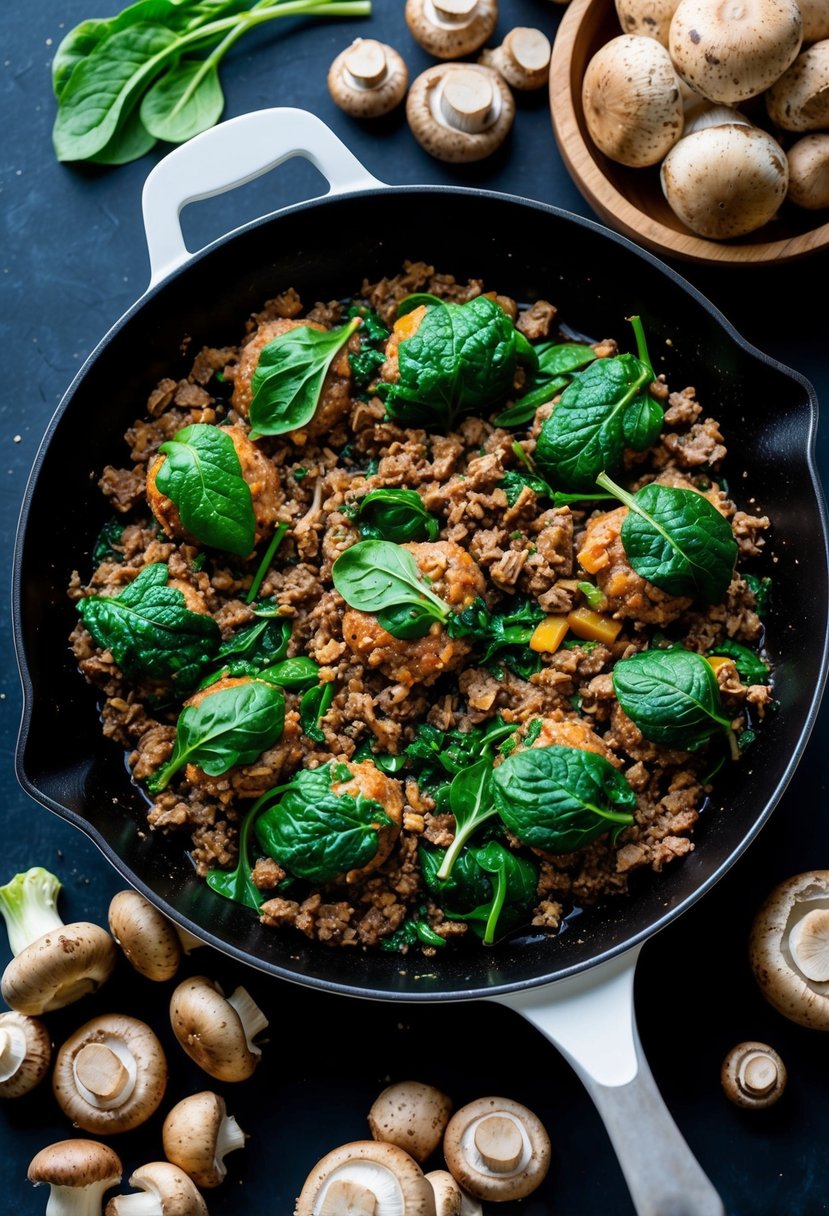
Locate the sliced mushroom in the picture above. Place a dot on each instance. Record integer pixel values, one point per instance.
(78, 1172)
(753, 1075)
(523, 58)
(789, 948)
(366, 1178)
(411, 1115)
(110, 1075)
(799, 99)
(25, 1053)
(632, 102)
(165, 1190)
(809, 172)
(449, 29)
(198, 1133)
(730, 50)
(650, 18)
(217, 1031)
(497, 1149)
(368, 79)
(460, 111)
(148, 940)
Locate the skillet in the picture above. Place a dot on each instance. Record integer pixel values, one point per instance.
(577, 988)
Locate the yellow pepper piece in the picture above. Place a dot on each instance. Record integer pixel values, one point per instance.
(593, 559)
(592, 626)
(718, 660)
(549, 634)
(406, 326)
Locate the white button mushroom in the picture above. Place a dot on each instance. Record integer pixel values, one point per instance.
(25, 1054)
(815, 14)
(110, 1075)
(753, 1075)
(632, 102)
(730, 50)
(411, 1115)
(523, 58)
(789, 948)
(650, 18)
(497, 1149)
(449, 29)
(148, 939)
(450, 1199)
(366, 1178)
(799, 99)
(78, 1172)
(164, 1190)
(54, 964)
(216, 1031)
(198, 1133)
(368, 79)
(809, 172)
(460, 112)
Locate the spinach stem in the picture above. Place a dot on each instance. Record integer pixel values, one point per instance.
(264, 565)
(461, 837)
(523, 456)
(641, 343)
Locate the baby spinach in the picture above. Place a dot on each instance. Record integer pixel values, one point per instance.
(365, 364)
(556, 363)
(264, 566)
(505, 634)
(514, 480)
(673, 697)
(395, 515)
(414, 929)
(561, 798)
(379, 577)
(471, 802)
(262, 643)
(761, 589)
(386, 763)
(297, 673)
(229, 726)
(467, 887)
(491, 888)
(314, 705)
(316, 833)
(105, 548)
(677, 540)
(750, 667)
(149, 631)
(202, 475)
(289, 376)
(436, 752)
(237, 884)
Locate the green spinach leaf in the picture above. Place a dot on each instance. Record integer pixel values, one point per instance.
(262, 643)
(237, 884)
(377, 576)
(414, 929)
(505, 634)
(514, 881)
(471, 801)
(107, 541)
(313, 706)
(202, 475)
(761, 588)
(514, 480)
(556, 363)
(750, 667)
(673, 697)
(466, 888)
(297, 673)
(395, 515)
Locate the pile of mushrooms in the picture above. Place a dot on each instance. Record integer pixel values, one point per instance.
(665, 92)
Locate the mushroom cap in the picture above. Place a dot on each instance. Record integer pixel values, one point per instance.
(649, 18)
(450, 1200)
(753, 1075)
(368, 78)
(76, 1163)
(632, 102)
(411, 1115)
(483, 100)
(497, 1149)
(450, 29)
(196, 1135)
(730, 50)
(175, 1193)
(148, 940)
(211, 1031)
(781, 980)
(809, 172)
(370, 1169)
(25, 1053)
(110, 1075)
(59, 968)
(815, 14)
(523, 58)
(799, 99)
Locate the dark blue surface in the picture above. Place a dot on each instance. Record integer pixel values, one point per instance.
(73, 261)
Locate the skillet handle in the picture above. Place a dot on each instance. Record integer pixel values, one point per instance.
(590, 1018)
(229, 155)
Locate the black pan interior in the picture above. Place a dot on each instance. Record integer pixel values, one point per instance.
(325, 249)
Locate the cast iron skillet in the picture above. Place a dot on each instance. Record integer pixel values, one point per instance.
(325, 249)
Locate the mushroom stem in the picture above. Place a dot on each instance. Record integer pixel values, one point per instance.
(250, 1015)
(757, 1074)
(230, 1137)
(140, 1203)
(28, 903)
(466, 101)
(12, 1051)
(345, 1198)
(500, 1143)
(451, 12)
(105, 1075)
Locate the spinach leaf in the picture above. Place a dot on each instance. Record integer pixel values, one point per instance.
(186, 100)
(237, 884)
(202, 475)
(229, 726)
(750, 667)
(375, 576)
(149, 631)
(561, 798)
(677, 540)
(365, 364)
(104, 549)
(466, 888)
(414, 929)
(435, 752)
(386, 763)
(262, 643)
(761, 587)
(471, 801)
(461, 357)
(289, 376)
(514, 480)
(317, 833)
(296, 673)
(556, 363)
(505, 634)
(673, 697)
(395, 515)
(313, 706)
(514, 882)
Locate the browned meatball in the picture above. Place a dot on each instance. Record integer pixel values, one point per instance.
(371, 783)
(573, 732)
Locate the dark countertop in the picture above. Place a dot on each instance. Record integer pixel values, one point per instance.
(73, 261)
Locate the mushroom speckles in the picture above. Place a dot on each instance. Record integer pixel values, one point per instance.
(411, 1115)
(198, 1134)
(632, 102)
(497, 1149)
(449, 29)
(799, 99)
(789, 948)
(216, 1031)
(163, 1190)
(753, 1075)
(368, 79)
(523, 58)
(78, 1173)
(148, 940)
(460, 111)
(366, 1178)
(25, 1053)
(809, 172)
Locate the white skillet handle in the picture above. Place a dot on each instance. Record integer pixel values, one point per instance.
(228, 155)
(590, 1018)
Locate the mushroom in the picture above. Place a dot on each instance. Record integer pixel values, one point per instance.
(110, 1075)
(148, 940)
(411, 1115)
(753, 1075)
(25, 1053)
(460, 111)
(789, 948)
(198, 1133)
(730, 50)
(799, 99)
(368, 79)
(523, 58)
(815, 14)
(809, 172)
(78, 1172)
(650, 18)
(631, 99)
(366, 1178)
(216, 1031)
(165, 1190)
(497, 1149)
(701, 113)
(725, 181)
(450, 1199)
(54, 964)
(449, 29)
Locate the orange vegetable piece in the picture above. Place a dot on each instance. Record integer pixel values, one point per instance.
(591, 626)
(549, 634)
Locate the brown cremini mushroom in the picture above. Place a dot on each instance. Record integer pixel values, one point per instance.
(523, 58)
(110, 1075)
(450, 1199)
(753, 1075)
(650, 18)
(411, 1115)
(450, 29)
(164, 1190)
(148, 940)
(789, 948)
(799, 99)
(216, 1031)
(25, 1053)
(366, 1178)
(78, 1172)
(198, 1133)
(497, 1149)
(460, 111)
(809, 172)
(815, 14)
(368, 79)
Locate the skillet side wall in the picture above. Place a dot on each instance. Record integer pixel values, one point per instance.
(325, 250)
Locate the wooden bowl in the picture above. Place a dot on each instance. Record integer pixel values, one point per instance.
(631, 200)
